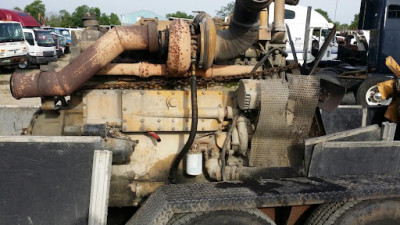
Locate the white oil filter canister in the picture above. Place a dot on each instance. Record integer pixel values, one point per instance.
(194, 163)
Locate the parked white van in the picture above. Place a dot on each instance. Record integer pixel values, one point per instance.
(41, 47)
(12, 44)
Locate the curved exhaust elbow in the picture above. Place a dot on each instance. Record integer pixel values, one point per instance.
(75, 74)
(242, 31)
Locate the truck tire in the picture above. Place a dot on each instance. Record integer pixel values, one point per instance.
(368, 94)
(376, 212)
(24, 65)
(231, 217)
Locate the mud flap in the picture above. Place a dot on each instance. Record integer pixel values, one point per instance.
(46, 180)
(331, 95)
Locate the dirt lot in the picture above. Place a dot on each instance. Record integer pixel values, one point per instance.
(5, 95)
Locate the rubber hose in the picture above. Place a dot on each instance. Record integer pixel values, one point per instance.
(193, 130)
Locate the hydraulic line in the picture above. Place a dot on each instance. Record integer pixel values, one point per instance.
(193, 130)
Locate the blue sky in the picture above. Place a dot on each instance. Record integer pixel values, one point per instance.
(345, 12)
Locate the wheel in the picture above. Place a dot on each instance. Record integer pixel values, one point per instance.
(372, 212)
(231, 217)
(24, 65)
(368, 94)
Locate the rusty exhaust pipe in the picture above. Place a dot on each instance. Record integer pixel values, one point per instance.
(99, 55)
(71, 77)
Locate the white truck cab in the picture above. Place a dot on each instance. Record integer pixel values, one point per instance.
(41, 47)
(295, 18)
(12, 44)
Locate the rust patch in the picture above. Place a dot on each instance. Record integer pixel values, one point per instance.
(179, 52)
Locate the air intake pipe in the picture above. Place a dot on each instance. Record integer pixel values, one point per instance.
(242, 31)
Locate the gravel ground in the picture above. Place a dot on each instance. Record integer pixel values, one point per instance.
(5, 74)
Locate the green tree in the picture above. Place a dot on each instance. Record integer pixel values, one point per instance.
(17, 8)
(53, 20)
(104, 19)
(324, 14)
(35, 8)
(66, 18)
(354, 23)
(76, 16)
(114, 19)
(226, 11)
(179, 14)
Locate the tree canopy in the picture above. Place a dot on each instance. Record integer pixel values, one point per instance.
(35, 8)
(227, 10)
(66, 19)
(354, 23)
(179, 14)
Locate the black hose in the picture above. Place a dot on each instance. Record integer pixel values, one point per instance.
(262, 61)
(242, 31)
(193, 130)
(224, 148)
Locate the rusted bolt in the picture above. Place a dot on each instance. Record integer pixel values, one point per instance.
(220, 93)
(173, 93)
(158, 93)
(142, 92)
(173, 120)
(142, 120)
(203, 93)
(151, 184)
(187, 120)
(219, 106)
(202, 120)
(124, 108)
(159, 120)
(104, 92)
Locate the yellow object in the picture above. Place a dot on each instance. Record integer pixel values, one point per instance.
(391, 113)
(386, 88)
(393, 65)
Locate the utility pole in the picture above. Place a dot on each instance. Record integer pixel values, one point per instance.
(337, 1)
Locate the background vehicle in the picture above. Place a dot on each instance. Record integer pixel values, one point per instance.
(12, 44)
(191, 124)
(295, 19)
(363, 57)
(26, 20)
(59, 44)
(66, 34)
(41, 47)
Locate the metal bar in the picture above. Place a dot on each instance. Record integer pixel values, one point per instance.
(101, 175)
(307, 35)
(323, 49)
(296, 60)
